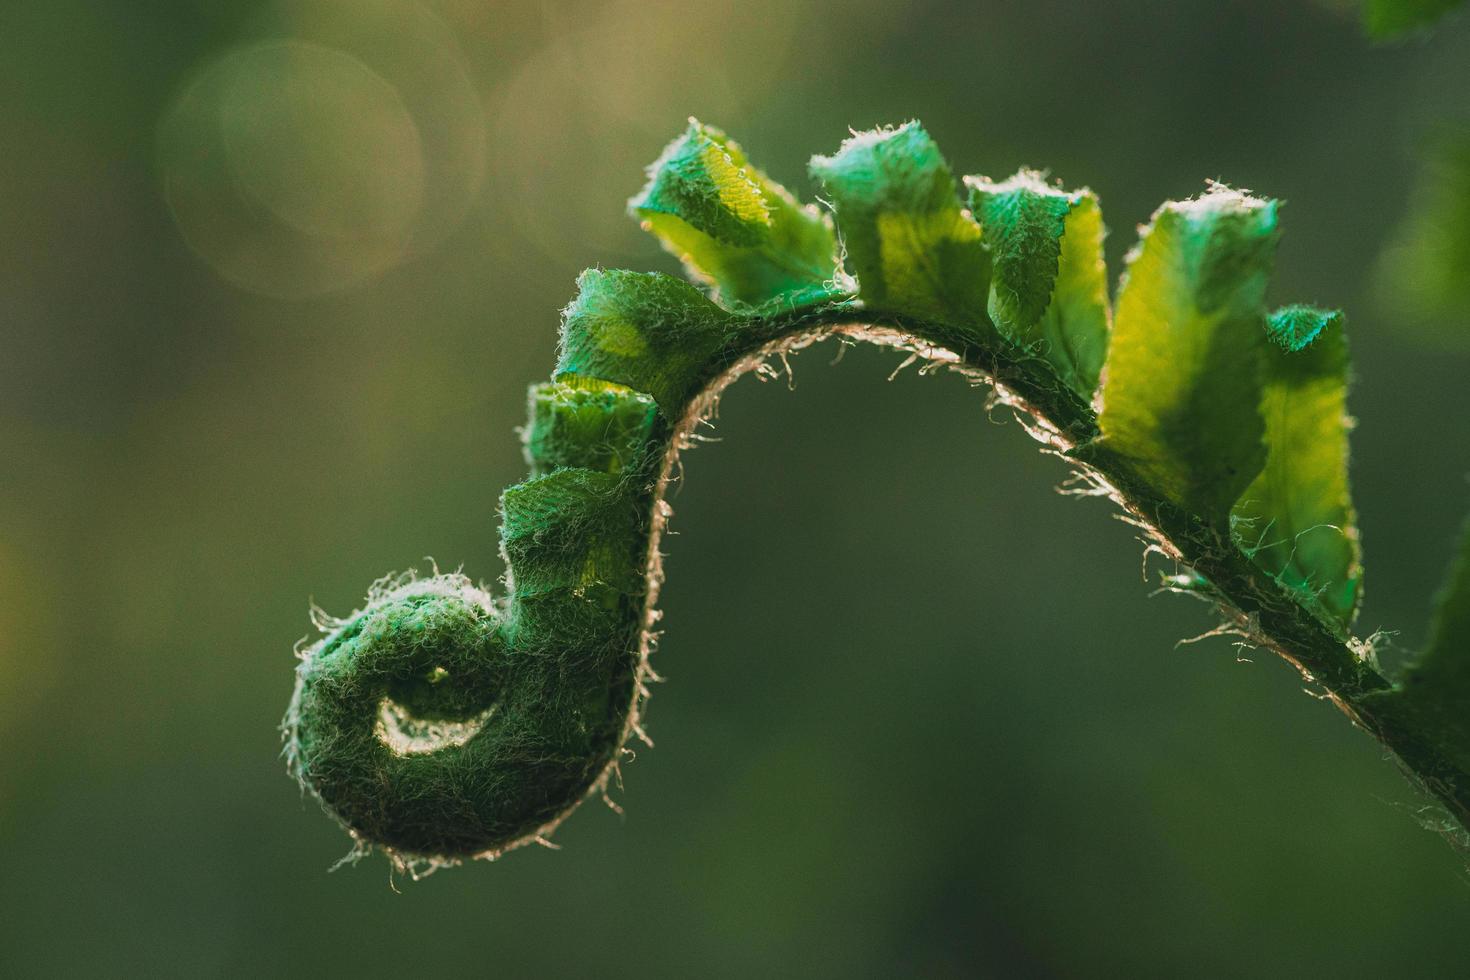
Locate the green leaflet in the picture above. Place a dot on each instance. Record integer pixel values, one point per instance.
(731, 225)
(1182, 383)
(912, 247)
(587, 422)
(1386, 18)
(1433, 696)
(1424, 272)
(1296, 519)
(1049, 284)
(648, 331)
(572, 529)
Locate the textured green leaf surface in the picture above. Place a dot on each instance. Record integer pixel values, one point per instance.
(1049, 284)
(1386, 18)
(571, 529)
(1182, 387)
(731, 225)
(1425, 275)
(1434, 694)
(907, 240)
(650, 332)
(587, 422)
(1296, 519)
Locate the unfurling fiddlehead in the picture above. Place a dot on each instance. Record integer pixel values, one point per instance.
(440, 723)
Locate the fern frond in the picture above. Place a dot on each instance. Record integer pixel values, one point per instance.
(1218, 429)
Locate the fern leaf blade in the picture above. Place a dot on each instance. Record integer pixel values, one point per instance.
(1296, 519)
(1048, 287)
(732, 226)
(1182, 381)
(588, 423)
(913, 249)
(651, 332)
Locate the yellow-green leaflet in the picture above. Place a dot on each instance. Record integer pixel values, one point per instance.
(1181, 389)
(732, 226)
(907, 240)
(1296, 519)
(1049, 284)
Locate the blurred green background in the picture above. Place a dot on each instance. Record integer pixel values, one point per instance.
(274, 279)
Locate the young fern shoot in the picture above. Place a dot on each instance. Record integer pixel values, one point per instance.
(440, 723)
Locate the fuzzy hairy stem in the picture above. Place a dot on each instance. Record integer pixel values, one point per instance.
(1258, 608)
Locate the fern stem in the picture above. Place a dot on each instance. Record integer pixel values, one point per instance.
(1257, 608)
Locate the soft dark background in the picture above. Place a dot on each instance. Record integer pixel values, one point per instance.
(921, 716)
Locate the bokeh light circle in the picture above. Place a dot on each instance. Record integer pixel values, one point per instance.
(293, 169)
(416, 52)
